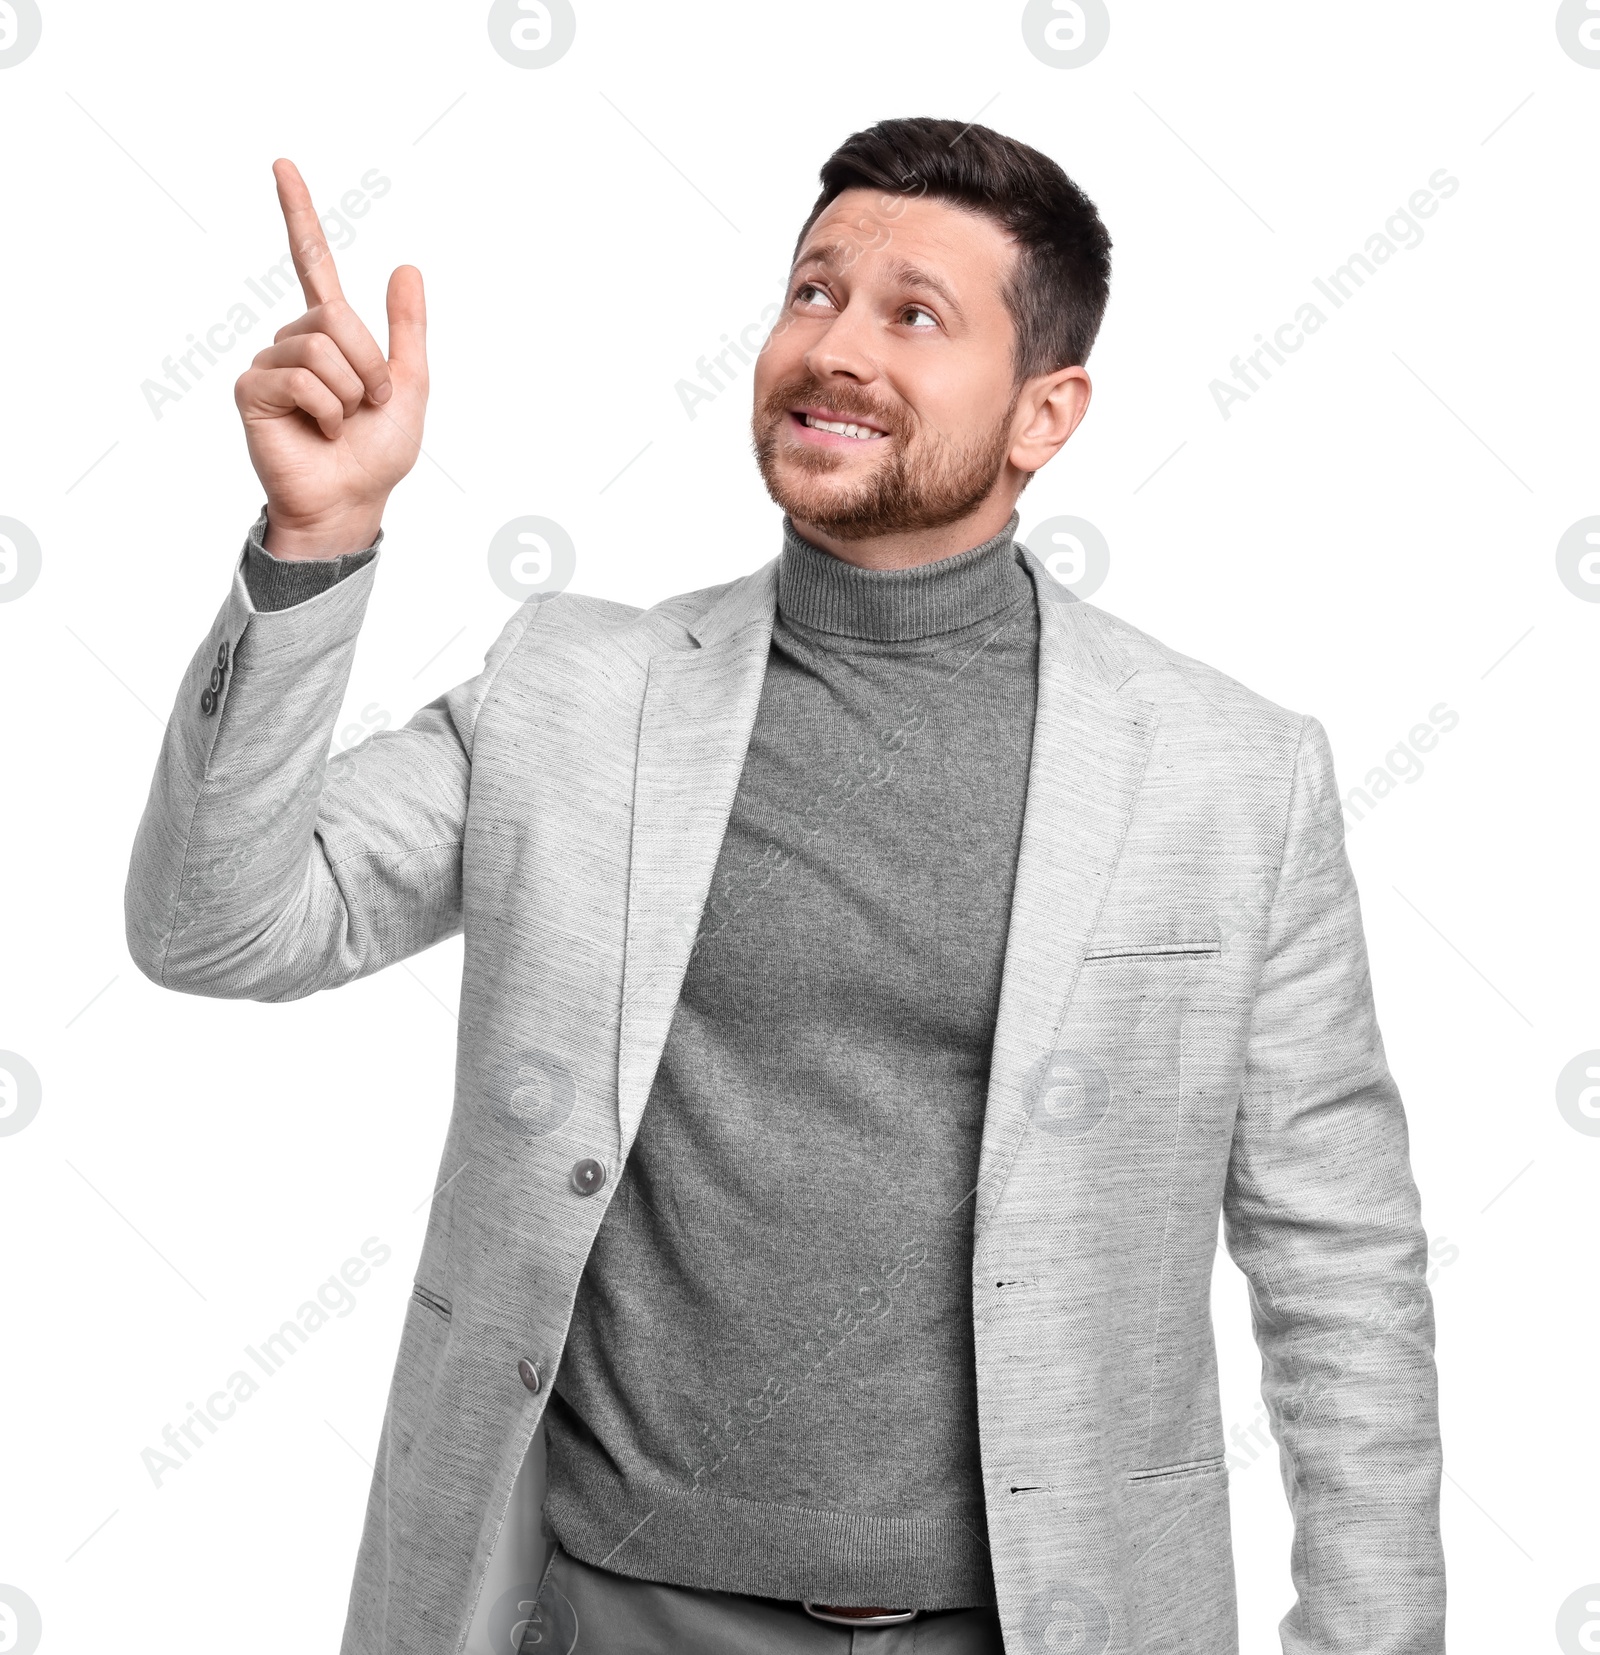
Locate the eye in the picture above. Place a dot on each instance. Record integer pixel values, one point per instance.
(810, 287)
(920, 310)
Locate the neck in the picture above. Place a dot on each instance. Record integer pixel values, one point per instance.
(905, 549)
(942, 595)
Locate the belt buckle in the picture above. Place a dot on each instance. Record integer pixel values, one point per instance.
(835, 1615)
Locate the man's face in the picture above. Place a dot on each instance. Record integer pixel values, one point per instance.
(894, 323)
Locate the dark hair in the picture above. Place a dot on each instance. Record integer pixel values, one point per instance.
(1058, 289)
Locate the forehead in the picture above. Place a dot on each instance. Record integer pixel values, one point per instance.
(864, 227)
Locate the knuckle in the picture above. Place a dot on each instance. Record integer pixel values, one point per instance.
(335, 369)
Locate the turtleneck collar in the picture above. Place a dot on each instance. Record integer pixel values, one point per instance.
(819, 590)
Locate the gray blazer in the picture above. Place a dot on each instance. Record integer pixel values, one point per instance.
(1186, 1030)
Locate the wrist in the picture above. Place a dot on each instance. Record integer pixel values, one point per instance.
(294, 540)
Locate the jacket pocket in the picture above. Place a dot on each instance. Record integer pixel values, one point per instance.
(1183, 1468)
(426, 1295)
(424, 1339)
(1152, 950)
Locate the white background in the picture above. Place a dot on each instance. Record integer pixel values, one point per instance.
(1365, 538)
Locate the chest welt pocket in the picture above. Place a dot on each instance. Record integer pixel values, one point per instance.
(1198, 948)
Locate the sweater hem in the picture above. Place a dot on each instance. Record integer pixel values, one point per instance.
(721, 1543)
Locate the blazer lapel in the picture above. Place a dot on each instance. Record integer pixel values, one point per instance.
(699, 707)
(1091, 741)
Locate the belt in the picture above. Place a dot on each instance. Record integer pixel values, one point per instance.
(839, 1615)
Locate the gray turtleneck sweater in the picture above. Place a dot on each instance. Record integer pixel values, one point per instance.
(768, 1385)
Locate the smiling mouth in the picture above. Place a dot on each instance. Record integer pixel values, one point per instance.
(850, 430)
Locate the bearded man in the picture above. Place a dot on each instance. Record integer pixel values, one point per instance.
(882, 973)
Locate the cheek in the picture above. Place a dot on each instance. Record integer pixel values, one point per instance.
(780, 357)
(945, 403)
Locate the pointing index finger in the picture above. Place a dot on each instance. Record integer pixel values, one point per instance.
(313, 262)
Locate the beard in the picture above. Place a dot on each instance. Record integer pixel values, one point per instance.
(925, 481)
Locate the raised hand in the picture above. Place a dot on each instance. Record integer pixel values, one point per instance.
(331, 423)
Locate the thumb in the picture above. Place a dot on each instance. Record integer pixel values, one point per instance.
(408, 323)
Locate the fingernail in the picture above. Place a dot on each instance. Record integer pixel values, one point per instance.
(383, 392)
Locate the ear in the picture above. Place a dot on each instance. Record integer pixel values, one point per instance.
(1050, 409)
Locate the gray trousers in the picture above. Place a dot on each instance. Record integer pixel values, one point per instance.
(582, 1610)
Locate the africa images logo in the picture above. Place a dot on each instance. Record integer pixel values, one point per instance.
(183, 370)
(20, 1095)
(20, 1622)
(20, 28)
(334, 1298)
(1066, 34)
(20, 558)
(1578, 30)
(1401, 232)
(532, 34)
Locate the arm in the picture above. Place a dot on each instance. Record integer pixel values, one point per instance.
(262, 869)
(1322, 1216)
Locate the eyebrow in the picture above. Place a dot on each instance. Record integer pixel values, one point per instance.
(900, 270)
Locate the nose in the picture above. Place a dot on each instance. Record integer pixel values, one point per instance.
(844, 348)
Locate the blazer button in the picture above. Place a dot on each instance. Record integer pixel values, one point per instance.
(222, 655)
(208, 702)
(216, 680)
(588, 1175)
(528, 1374)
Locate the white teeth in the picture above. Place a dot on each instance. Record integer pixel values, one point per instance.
(842, 429)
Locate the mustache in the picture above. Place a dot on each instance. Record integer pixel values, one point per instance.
(807, 393)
